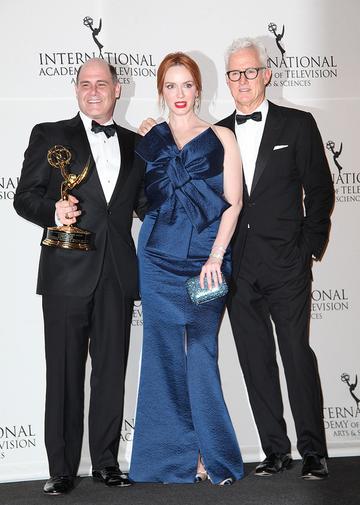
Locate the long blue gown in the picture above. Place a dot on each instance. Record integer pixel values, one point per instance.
(181, 410)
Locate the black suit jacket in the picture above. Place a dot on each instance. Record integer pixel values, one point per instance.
(73, 272)
(292, 193)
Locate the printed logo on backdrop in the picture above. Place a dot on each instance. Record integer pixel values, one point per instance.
(346, 183)
(89, 22)
(16, 438)
(137, 317)
(8, 187)
(64, 63)
(298, 70)
(325, 301)
(330, 145)
(343, 421)
(345, 377)
(127, 430)
(278, 36)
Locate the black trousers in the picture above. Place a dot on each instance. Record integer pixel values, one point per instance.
(280, 294)
(99, 323)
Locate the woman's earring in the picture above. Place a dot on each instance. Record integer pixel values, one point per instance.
(197, 104)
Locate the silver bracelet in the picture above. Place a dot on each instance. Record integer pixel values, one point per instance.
(217, 256)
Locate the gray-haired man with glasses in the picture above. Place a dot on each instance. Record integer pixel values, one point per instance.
(284, 225)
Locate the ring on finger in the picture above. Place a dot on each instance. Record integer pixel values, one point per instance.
(67, 215)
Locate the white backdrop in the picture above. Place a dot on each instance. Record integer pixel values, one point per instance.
(43, 45)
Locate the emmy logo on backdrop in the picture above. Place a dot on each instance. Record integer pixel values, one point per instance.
(272, 27)
(331, 146)
(67, 236)
(88, 21)
(346, 378)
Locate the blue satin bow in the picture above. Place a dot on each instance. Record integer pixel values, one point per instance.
(175, 184)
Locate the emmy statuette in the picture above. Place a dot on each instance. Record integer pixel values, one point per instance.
(67, 236)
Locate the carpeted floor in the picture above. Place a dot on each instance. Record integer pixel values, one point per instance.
(342, 488)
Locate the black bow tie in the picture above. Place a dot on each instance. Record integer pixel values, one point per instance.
(109, 129)
(240, 118)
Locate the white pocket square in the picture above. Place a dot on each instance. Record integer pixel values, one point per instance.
(280, 147)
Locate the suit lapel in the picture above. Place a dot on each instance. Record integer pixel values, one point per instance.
(229, 122)
(272, 129)
(80, 144)
(126, 153)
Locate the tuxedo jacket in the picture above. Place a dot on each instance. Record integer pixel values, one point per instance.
(292, 195)
(75, 272)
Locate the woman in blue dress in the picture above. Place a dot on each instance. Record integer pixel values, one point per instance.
(183, 432)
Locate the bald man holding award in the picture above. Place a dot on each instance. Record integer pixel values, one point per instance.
(82, 171)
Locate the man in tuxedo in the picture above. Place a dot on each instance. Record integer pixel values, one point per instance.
(87, 296)
(284, 225)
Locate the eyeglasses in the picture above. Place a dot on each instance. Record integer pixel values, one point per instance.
(249, 73)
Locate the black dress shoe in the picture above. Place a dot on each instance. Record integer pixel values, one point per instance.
(59, 484)
(111, 476)
(273, 463)
(314, 467)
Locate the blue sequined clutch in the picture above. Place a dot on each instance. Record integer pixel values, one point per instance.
(199, 295)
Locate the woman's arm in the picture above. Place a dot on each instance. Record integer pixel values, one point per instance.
(233, 190)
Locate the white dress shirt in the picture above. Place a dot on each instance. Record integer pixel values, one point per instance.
(106, 153)
(249, 135)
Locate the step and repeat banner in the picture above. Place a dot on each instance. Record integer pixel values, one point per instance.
(313, 48)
